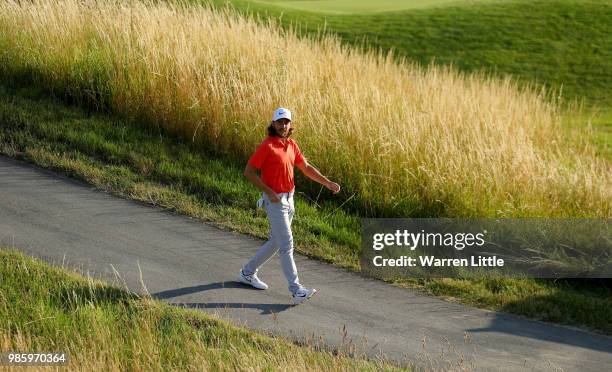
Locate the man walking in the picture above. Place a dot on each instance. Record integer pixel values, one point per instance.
(275, 157)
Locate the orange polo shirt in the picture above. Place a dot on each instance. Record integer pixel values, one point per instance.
(276, 160)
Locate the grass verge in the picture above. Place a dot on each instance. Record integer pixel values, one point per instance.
(161, 170)
(101, 327)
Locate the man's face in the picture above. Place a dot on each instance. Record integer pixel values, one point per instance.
(282, 127)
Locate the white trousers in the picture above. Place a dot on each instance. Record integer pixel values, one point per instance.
(280, 216)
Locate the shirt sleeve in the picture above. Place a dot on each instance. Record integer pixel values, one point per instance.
(299, 158)
(259, 156)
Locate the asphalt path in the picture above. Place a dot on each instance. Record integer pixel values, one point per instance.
(189, 263)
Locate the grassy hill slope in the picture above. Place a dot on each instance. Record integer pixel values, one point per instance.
(363, 6)
(559, 43)
(102, 327)
(452, 145)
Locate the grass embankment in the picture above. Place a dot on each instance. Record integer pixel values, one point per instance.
(564, 45)
(401, 140)
(152, 167)
(101, 327)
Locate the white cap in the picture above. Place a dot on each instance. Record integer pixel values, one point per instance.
(281, 113)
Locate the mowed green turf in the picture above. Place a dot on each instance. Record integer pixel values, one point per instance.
(364, 6)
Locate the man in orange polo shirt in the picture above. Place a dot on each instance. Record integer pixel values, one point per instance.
(275, 158)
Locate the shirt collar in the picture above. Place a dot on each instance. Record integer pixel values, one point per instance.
(278, 140)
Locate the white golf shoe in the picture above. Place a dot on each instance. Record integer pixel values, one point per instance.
(252, 280)
(302, 295)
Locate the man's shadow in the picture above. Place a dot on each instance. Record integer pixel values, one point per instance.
(266, 309)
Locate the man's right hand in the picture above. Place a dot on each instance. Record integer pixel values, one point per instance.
(273, 197)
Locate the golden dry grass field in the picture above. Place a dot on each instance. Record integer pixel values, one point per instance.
(404, 140)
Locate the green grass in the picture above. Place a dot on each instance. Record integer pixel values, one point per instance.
(363, 6)
(102, 327)
(152, 167)
(571, 302)
(563, 45)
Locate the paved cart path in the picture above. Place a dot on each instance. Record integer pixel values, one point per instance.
(185, 261)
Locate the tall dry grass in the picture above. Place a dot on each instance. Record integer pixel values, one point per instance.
(404, 141)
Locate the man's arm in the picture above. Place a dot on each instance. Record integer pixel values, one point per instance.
(250, 172)
(314, 174)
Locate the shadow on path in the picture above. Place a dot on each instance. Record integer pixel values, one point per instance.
(266, 309)
(504, 323)
(164, 295)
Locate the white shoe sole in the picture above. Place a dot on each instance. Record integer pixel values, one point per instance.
(299, 300)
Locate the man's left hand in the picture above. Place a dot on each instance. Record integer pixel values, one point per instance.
(334, 187)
